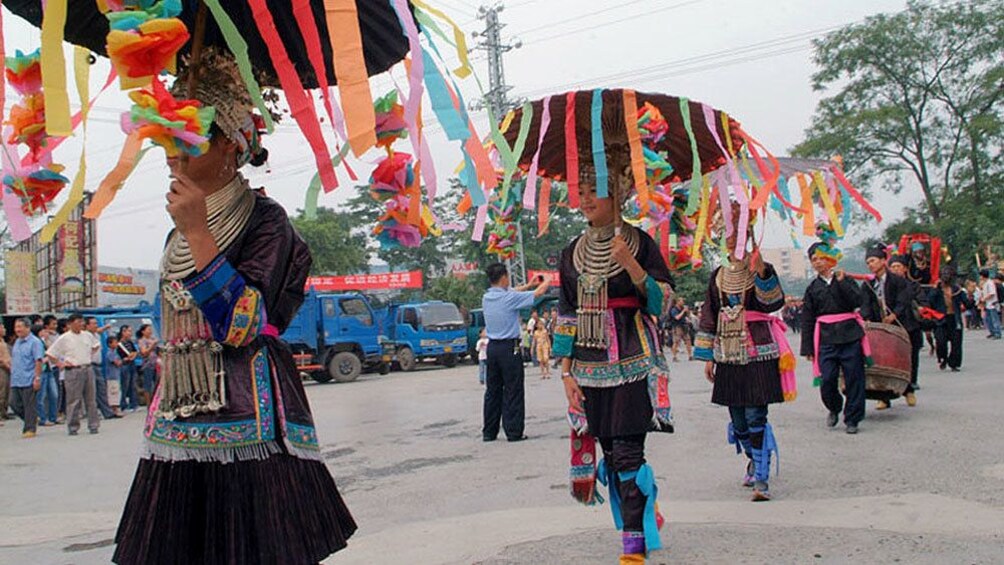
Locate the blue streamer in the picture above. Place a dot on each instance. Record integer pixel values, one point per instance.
(599, 148)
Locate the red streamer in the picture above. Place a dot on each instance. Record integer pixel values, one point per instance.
(300, 104)
(571, 152)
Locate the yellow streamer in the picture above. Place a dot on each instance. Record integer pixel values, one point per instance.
(831, 210)
(57, 100)
(82, 76)
(809, 213)
(702, 217)
(464, 70)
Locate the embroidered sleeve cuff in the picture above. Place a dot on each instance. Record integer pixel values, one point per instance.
(657, 296)
(217, 278)
(564, 336)
(704, 344)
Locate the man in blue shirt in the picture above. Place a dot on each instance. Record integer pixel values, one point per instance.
(26, 375)
(504, 383)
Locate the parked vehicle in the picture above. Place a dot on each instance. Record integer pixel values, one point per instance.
(337, 336)
(427, 330)
(475, 323)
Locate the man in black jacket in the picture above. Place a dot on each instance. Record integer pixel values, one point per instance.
(950, 301)
(829, 318)
(889, 298)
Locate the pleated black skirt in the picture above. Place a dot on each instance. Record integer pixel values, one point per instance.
(624, 410)
(277, 510)
(754, 384)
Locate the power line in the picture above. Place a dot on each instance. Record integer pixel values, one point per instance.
(613, 22)
(580, 17)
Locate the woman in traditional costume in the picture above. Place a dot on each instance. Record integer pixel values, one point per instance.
(745, 352)
(232, 472)
(614, 287)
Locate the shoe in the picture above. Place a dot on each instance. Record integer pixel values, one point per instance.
(852, 429)
(911, 399)
(487, 439)
(47, 424)
(831, 419)
(942, 365)
(748, 480)
(761, 493)
(114, 417)
(73, 433)
(955, 369)
(520, 438)
(882, 405)
(27, 435)
(93, 432)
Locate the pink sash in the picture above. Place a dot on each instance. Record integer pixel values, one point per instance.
(786, 363)
(833, 319)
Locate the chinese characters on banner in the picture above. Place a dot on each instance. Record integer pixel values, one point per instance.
(380, 281)
(71, 268)
(20, 277)
(125, 288)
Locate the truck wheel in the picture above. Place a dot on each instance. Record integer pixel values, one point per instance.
(406, 358)
(320, 377)
(450, 360)
(345, 367)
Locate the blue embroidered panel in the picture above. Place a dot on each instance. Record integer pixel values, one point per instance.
(234, 310)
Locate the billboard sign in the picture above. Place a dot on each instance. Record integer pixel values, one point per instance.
(379, 281)
(124, 288)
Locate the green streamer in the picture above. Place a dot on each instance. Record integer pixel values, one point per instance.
(239, 47)
(314, 189)
(696, 180)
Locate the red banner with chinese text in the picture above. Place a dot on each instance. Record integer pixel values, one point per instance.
(379, 281)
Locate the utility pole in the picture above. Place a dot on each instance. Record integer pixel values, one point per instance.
(498, 103)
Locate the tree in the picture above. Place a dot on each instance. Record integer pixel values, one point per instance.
(465, 292)
(334, 246)
(920, 91)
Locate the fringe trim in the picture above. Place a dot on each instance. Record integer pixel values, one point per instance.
(251, 452)
(302, 452)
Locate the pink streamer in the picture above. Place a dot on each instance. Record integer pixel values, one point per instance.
(530, 192)
(417, 71)
(16, 220)
(479, 223)
(731, 181)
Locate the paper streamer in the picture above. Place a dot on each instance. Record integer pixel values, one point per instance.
(634, 142)
(695, 173)
(113, 181)
(416, 73)
(448, 115)
(831, 211)
(479, 223)
(728, 170)
(16, 220)
(526, 117)
(808, 209)
(845, 200)
(300, 104)
(857, 196)
(599, 146)
(464, 70)
(314, 188)
(571, 152)
(342, 18)
(304, 16)
(544, 208)
(530, 192)
(57, 100)
(702, 219)
(82, 75)
(236, 44)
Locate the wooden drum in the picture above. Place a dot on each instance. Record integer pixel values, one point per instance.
(889, 375)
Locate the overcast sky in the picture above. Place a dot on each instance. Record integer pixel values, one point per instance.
(749, 58)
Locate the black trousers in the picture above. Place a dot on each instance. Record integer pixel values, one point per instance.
(850, 358)
(623, 455)
(504, 400)
(916, 343)
(949, 345)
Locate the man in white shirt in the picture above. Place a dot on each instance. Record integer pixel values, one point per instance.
(72, 353)
(991, 304)
(100, 379)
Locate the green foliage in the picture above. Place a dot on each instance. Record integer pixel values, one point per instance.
(464, 292)
(920, 93)
(692, 286)
(333, 245)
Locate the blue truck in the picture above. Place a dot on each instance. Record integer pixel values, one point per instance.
(336, 336)
(426, 330)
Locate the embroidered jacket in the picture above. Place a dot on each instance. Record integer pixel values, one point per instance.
(765, 296)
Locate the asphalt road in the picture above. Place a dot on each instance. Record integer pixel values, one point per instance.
(917, 485)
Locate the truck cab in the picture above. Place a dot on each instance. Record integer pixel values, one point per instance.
(426, 330)
(336, 336)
